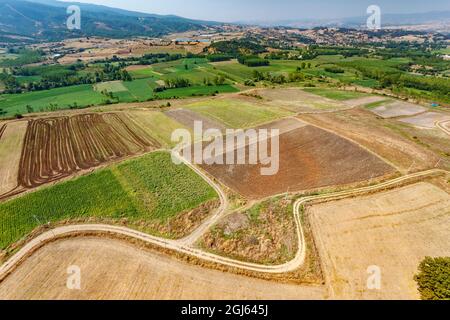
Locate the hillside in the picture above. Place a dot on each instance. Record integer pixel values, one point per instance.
(46, 20)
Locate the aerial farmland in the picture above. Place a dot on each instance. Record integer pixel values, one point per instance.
(103, 167)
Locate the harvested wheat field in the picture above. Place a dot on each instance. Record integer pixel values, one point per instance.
(112, 269)
(394, 109)
(11, 141)
(58, 147)
(309, 158)
(393, 230)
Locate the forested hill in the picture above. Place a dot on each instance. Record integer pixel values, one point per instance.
(46, 20)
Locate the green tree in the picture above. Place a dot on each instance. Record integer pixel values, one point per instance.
(433, 278)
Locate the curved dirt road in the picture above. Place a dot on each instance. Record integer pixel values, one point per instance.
(199, 231)
(185, 247)
(442, 125)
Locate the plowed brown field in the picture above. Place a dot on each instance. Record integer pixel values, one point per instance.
(58, 147)
(2, 129)
(310, 158)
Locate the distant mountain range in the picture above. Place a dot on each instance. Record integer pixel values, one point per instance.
(38, 20)
(46, 20)
(435, 20)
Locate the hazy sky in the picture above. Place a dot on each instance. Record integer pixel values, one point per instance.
(237, 10)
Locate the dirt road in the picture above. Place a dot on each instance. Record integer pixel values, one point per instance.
(185, 247)
(114, 269)
(444, 126)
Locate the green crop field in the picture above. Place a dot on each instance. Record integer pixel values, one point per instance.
(225, 111)
(240, 72)
(148, 189)
(141, 89)
(142, 73)
(195, 70)
(86, 95)
(335, 94)
(195, 91)
(83, 95)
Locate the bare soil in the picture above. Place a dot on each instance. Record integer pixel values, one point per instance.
(398, 109)
(188, 117)
(363, 101)
(310, 158)
(427, 120)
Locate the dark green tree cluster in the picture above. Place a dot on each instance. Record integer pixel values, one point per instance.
(253, 61)
(433, 278)
(65, 77)
(173, 84)
(237, 47)
(218, 57)
(278, 78)
(334, 69)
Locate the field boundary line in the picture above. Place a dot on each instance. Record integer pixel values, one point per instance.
(441, 126)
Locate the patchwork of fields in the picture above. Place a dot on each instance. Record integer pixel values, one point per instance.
(345, 138)
(150, 193)
(145, 78)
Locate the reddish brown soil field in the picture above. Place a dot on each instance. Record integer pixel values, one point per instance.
(2, 129)
(310, 158)
(58, 147)
(379, 136)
